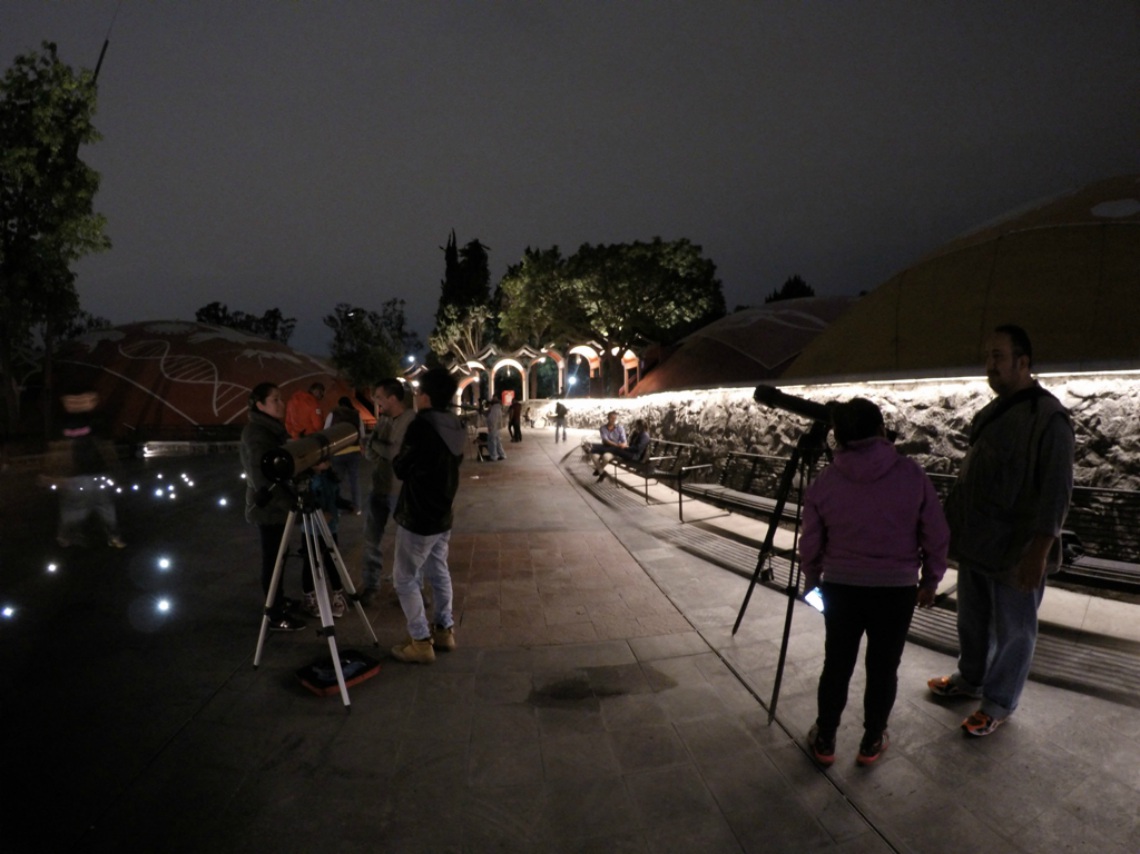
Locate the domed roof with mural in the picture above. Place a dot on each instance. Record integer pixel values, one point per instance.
(746, 347)
(1067, 270)
(165, 376)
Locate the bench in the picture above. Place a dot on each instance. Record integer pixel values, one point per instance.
(1101, 540)
(747, 484)
(664, 462)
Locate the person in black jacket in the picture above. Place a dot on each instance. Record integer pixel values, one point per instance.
(428, 464)
(267, 506)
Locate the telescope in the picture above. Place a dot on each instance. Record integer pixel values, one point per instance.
(300, 455)
(772, 396)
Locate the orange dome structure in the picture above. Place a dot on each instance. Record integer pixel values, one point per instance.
(175, 378)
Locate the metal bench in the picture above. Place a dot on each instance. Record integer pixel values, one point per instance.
(746, 484)
(663, 462)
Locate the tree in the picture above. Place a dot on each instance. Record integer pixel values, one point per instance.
(272, 325)
(619, 296)
(536, 303)
(794, 288)
(47, 193)
(368, 345)
(466, 316)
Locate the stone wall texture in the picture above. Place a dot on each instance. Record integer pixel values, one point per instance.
(931, 419)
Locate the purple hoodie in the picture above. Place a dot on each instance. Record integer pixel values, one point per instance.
(873, 519)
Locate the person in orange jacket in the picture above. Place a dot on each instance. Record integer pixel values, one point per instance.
(304, 415)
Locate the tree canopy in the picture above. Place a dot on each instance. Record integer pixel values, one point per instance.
(369, 345)
(466, 317)
(47, 221)
(619, 296)
(272, 324)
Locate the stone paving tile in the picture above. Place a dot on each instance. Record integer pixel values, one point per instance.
(597, 702)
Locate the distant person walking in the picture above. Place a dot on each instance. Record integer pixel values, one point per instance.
(560, 413)
(494, 420)
(514, 420)
(1006, 511)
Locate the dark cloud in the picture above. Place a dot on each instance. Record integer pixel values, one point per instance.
(297, 155)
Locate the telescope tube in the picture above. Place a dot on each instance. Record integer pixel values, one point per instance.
(772, 396)
(300, 455)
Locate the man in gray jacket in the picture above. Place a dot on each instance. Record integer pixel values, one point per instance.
(394, 415)
(1005, 512)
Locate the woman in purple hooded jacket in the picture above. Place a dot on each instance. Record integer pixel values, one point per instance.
(874, 541)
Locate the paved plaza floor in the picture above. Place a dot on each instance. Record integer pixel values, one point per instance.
(597, 702)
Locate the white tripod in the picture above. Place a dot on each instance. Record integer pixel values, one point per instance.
(315, 531)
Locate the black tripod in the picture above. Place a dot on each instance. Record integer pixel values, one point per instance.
(809, 448)
(315, 533)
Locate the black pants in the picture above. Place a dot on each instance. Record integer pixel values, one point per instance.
(515, 430)
(849, 612)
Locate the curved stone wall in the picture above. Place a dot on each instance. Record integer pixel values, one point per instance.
(931, 418)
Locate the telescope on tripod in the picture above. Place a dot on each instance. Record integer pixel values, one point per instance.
(810, 447)
(289, 467)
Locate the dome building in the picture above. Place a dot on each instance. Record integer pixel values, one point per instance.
(178, 379)
(1067, 270)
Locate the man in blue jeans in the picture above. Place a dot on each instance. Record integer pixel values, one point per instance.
(428, 465)
(1005, 513)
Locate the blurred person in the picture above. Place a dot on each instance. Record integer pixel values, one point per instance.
(394, 416)
(304, 414)
(428, 465)
(494, 420)
(83, 459)
(1006, 510)
(267, 504)
(346, 462)
(874, 541)
(514, 420)
(560, 413)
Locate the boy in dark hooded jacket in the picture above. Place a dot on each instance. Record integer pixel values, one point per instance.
(428, 465)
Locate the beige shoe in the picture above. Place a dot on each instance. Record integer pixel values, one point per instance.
(339, 605)
(443, 639)
(414, 651)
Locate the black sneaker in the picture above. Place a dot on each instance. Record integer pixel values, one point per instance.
(283, 623)
(822, 749)
(368, 596)
(870, 749)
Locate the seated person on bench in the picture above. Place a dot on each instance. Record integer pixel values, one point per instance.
(613, 436)
(634, 450)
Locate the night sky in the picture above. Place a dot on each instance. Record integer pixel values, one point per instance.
(297, 155)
